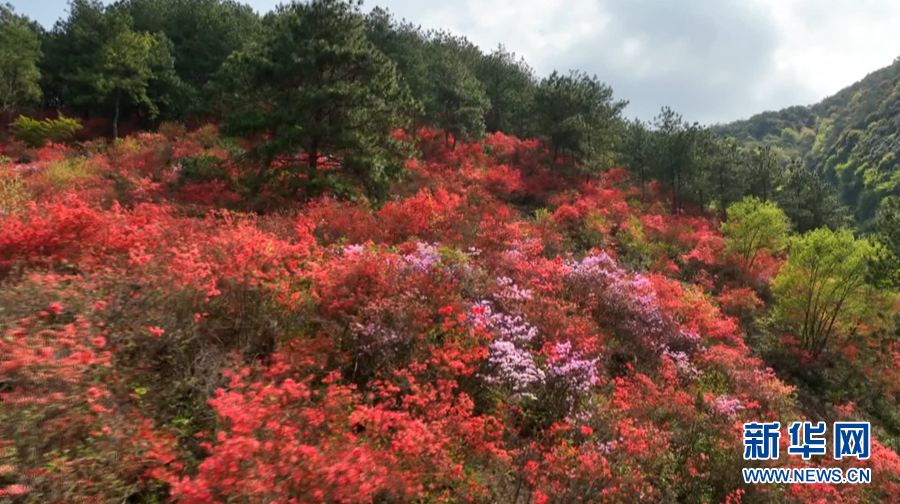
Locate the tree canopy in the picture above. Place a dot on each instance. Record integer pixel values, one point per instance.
(578, 115)
(850, 139)
(315, 84)
(455, 100)
(128, 63)
(754, 227)
(20, 53)
(209, 60)
(821, 286)
(203, 34)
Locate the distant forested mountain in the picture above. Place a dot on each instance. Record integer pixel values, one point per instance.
(851, 139)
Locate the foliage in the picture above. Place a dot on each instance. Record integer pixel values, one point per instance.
(14, 193)
(455, 100)
(754, 227)
(454, 83)
(316, 85)
(20, 52)
(98, 60)
(510, 85)
(37, 133)
(128, 63)
(73, 50)
(889, 224)
(820, 289)
(171, 129)
(446, 346)
(203, 33)
(213, 59)
(885, 268)
(849, 138)
(809, 201)
(674, 153)
(764, 173)
(637, 152)
(701, 168)
(490, 327)
(578, 115)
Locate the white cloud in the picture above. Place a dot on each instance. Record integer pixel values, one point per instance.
(713, 61)
(538, 30)
(826, 46)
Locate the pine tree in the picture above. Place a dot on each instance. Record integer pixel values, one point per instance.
(316, 85)
(20, 52)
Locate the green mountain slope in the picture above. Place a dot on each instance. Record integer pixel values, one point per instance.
(851, 138)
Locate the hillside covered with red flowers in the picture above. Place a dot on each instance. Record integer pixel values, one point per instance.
(495, 332)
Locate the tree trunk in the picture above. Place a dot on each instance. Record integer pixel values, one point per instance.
(266, 163)
(313, 161)
(116, 118)
(643, 185)
(675, 182)
(722, 189)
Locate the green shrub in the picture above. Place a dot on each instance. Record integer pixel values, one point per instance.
(13, 194)
(37, 133)
(62, 128)
(207, 136)
(172, 130)
(232, 146)
(202, 168)
(66, 172)
(29, 131)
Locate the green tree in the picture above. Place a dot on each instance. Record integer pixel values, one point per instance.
(203, 34)
(577, 115)
(673, 154)
(754, 227)
(97, 62)
(726, 173)
(510, 85)
(889, 223)
(455, 101)
(885, 267)
(406, 45)
(809, 201)
(822, 285)
(73, 49)
(764, 173)
(637, 152)
(20, 52)
(128, 63)
(316, 85)
(706, 164)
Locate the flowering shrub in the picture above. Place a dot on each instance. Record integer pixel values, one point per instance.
(503, 181)
(63, 433)
(426, 215)
(447, 346)
(625, 299)
(741, 302)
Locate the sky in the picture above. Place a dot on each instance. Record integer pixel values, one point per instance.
(710, 60)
